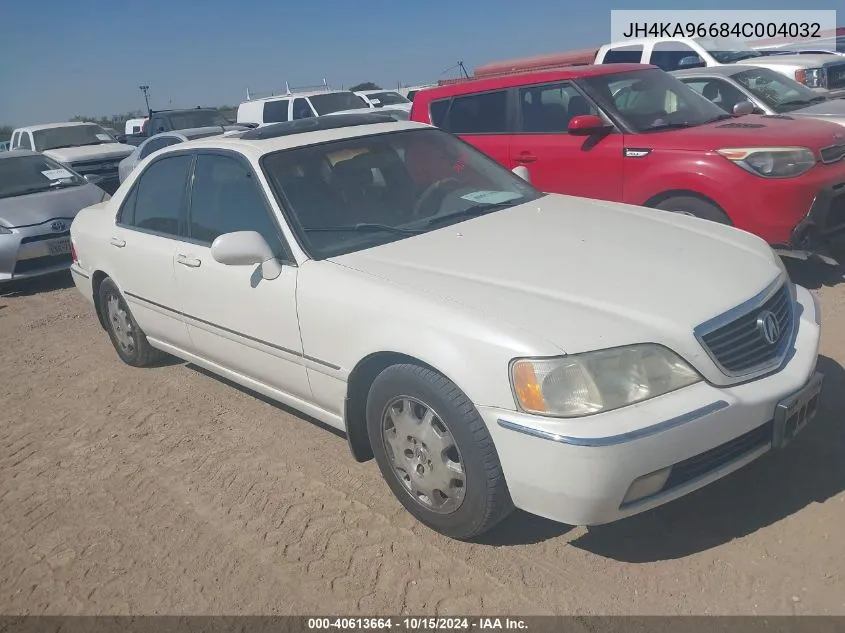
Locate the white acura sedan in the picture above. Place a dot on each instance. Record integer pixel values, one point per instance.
(490, 345)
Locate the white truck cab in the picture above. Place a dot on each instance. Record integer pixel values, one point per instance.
(84, 147)
(824, 73)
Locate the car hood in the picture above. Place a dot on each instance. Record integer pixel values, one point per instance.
(36, 208)
(583, 274)
(68, 155)
(829, 108)
(751, 130)
(809, 60)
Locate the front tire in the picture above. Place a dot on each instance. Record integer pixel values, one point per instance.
(435, 452)
(127, 337)
(690, 205)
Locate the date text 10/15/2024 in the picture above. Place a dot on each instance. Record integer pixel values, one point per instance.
(416, 624)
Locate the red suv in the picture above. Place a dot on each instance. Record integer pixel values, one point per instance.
(636, 134)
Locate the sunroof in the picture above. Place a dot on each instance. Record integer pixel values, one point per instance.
(315, 124)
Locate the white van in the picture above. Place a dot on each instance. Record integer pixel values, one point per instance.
(134, 126)
(299, 105)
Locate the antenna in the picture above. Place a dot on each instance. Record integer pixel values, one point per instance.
(247, 94)
(460, 66)
(287, 88)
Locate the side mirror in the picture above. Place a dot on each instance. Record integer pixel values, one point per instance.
(587, 125)
(743, 107)
(690, 62)
(245, 248)
(522, 172)
(94, 179)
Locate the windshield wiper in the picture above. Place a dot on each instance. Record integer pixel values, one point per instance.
(472, 212)
(364, 226)
(720, 117)
(673, 126)
(57, 147)
(94, 143)
(61, 184)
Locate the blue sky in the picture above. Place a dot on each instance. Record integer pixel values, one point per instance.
(59, 58)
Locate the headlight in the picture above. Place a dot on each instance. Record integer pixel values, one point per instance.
(812, 77)
(594, 382)
(771, 162)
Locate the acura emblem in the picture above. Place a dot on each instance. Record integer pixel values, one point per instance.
(767, 325)
(58, 226)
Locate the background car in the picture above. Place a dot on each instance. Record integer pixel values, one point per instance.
(159, 141)
(382, 98)
(768, 92)
(39, 198)
(4, 146)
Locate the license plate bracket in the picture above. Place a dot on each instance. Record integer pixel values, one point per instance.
(793, 413)
(59, 247)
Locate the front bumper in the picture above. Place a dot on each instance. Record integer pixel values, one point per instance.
(34, 251)
(580, 471)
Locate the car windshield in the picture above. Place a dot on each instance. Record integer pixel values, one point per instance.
(358, 193)
(196, 118)
(336, 101)
(70, 136)
(387, 98)
(778, 91)
(652, 100)
(727, 50)
(25, 174)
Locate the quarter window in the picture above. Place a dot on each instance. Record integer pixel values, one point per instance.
(549, 108)
(301, 109)
(226, 197)
(157, 201)
(485, 113)
(437, 111)
(23, 141)
(276, 111)
(156, 144)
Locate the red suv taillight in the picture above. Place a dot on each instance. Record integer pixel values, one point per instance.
(73, 256)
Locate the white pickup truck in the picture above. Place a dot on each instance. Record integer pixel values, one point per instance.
(822, 72)
(84, 147)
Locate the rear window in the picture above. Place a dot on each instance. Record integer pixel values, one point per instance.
(276, 111)
(484, 113)
(624, 55)
(438, 110)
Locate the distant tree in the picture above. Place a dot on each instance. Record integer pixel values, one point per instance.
(367, 85)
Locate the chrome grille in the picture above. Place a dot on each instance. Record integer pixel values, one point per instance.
(836, 76)
(739, 347)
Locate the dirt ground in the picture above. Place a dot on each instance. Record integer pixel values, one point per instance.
(169, 491)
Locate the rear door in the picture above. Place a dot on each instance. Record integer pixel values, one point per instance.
(483, 120)
(143, 246)
(587, 166)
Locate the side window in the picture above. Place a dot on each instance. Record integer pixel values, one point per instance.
(624, 55)
(720, 92)
(276, 111)
(485, 113)
(153, 145)
(549, 108)
(301, 109)
(437, 111)
(669, 55)
(226, 197)
(159, 124)
(158, 198)
(24, 142)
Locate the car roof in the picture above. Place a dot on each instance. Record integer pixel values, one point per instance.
(49, 126)
(293, 95)
(726, 70)
(374, 92)
(322, 131)
(521, 78)
(17, 153)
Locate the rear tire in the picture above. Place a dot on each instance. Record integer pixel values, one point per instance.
(690, 205)
(127, 337)
(435, 452)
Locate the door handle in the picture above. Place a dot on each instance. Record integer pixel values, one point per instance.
(190, 262)
(525, 157)
(116, 241)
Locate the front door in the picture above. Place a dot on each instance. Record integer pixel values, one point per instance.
(558, 162)
(482, 120)
(235, 318)
(143, 243)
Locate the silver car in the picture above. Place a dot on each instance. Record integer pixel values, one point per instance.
(39, 198)
(768, 92)
(164, 139)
